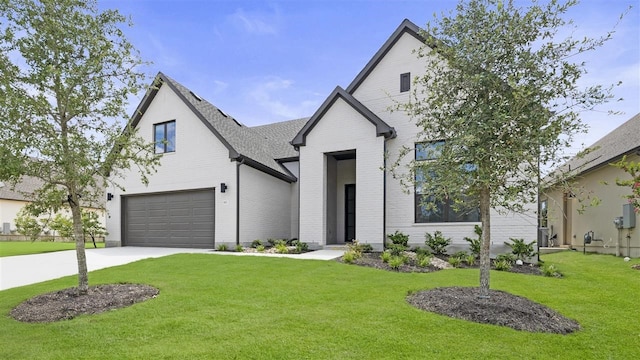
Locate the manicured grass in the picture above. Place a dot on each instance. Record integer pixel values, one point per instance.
(11, 248)
(228, 307)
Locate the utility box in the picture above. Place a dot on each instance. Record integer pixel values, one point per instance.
(628, 216)
(6, 228)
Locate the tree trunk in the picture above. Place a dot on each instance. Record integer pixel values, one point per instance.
(485, 249)
(78, 233)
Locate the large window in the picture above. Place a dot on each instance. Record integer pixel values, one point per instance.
(164, 137)
(427, 208)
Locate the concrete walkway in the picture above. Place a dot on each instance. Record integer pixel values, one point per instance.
(30, 269)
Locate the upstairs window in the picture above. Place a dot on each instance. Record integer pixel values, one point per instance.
(164, 137)
(427, 208)
(405, 82)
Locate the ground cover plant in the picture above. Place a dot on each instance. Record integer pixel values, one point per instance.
(11, 248)
(223, 307)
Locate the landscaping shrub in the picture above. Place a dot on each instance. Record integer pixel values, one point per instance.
(281, 248)
(437, 242)
(222, 247)
(470, 259)
(422, 252)
(260, 248)
(396, 261)
(551, 271)
(396, 249)
(399, 238)
(385, 256)
(424, 260)
(366, 248)
(510, 258)
(239, 248)
(349, 257)
(474, 244)
(301, 246)
(502, 265)
(521, 249)
(256, 243)
(455, 261)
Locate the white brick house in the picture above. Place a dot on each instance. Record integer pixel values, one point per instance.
(320, 179)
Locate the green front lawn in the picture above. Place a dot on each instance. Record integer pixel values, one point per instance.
(230, 307)
(11, 248)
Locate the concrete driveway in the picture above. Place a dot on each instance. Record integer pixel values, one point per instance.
(30, 269)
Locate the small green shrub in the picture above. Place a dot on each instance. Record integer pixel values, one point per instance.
(422, 252)
(349, 257)
(366, 248)
(475, 244)
(385, 256)
(396, 261)
(291, 242)
(437, 242)
(460, 254)
(301, 246)
(470, 259)
(521, 249)
(355, 247)
(551, 271)
(281, 248)
(396, 249)
(255, 243)
(424, 260)
(222, 247)
(502, 265)
(398, 238)
(260, 248)
(510, 258)
(455, 261)
(239, 248)
(274, 242)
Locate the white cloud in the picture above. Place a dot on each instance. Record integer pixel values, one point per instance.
(255, 23)
(269, 92)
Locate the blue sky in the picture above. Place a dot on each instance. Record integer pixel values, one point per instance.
(268, 61)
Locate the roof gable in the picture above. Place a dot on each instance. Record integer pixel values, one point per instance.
(405, 27)
(243, 143)
(382, 128)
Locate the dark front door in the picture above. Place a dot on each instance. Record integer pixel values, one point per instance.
(349, 212)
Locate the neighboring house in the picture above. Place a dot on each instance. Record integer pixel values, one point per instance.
(12, 200)
(595, 178)
(222, 182)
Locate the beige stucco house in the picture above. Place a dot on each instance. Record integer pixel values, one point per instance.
(13, 199)
(319, 179)
(593, 177)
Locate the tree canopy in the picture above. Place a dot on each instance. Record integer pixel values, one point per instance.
(66, 73)
(500, 96)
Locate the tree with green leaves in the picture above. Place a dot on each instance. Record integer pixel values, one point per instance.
(500, 96)
(66, 72)
(632, 168)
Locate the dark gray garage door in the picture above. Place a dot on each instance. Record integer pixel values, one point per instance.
(176, 219)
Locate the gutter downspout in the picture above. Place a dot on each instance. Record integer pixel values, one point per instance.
(384, 195)
(238, 163)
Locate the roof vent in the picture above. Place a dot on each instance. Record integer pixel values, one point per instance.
(195, 96)
(223, 113)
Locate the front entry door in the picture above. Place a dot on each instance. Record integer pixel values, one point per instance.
(349, 212)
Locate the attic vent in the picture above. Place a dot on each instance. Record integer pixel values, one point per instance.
(195, 96)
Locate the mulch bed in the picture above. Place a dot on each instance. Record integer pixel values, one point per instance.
(66, 304)
(373, 260)
(501, 308)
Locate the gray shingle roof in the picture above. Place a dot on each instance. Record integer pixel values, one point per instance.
(27, 185)
(280, 135)
(258, 148)
(623, 140)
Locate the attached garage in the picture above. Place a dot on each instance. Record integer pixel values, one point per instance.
(173, 219)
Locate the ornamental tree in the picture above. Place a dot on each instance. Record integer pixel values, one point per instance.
(66, 72)
(632, 168)
(499, 97)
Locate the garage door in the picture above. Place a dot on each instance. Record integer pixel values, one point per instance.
(176, 219)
